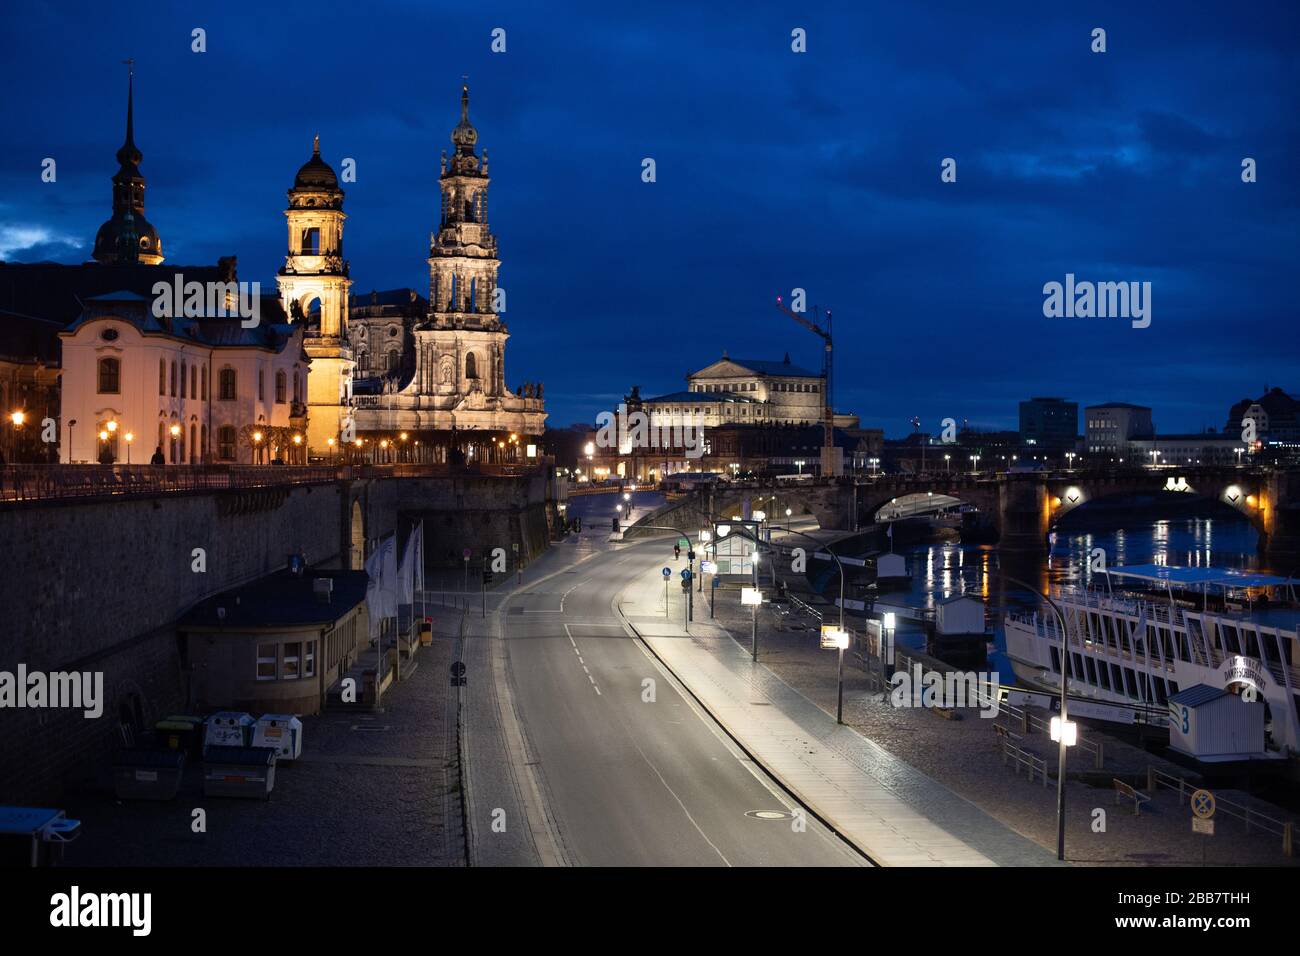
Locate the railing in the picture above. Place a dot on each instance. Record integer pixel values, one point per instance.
(1239, 811)
(46, 482)
(1020, 756)
(51, 482)
(1030, 722)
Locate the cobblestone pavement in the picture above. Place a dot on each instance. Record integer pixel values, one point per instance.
(370, 789)
(964, 755)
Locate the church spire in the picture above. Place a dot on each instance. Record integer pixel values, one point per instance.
(128, 236)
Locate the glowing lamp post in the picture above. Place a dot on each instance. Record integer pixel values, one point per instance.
(837, 638)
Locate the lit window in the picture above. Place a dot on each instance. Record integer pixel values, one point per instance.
(292, 656)
(266, 661)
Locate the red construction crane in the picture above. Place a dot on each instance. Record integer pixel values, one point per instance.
(828, 364)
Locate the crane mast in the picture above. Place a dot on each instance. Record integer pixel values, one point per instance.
(830, 463)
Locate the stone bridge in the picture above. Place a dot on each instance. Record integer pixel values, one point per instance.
(1022, 508)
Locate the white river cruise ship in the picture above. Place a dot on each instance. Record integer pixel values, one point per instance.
(1154, 630)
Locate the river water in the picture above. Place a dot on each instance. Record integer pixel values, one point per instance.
(943, 570)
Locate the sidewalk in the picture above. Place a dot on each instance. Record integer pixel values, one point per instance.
(893, 813)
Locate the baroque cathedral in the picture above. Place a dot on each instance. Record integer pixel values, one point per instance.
(445, 385)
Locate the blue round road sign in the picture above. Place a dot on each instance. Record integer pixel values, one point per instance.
(668, 572)
(686, 574)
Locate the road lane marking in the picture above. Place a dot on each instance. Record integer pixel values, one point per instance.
(594, 686)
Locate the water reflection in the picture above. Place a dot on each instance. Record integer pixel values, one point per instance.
(944, 570)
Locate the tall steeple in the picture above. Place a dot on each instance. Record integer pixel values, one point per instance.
(463, 252)
(128, 235)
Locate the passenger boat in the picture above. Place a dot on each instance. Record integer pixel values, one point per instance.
(1153, 630)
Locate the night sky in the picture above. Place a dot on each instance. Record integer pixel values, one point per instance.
(775, 170)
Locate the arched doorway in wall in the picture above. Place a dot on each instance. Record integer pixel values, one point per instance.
(358, 549)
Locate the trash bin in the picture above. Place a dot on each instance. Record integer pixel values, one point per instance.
(281, 732)
(183, 732)
(239, 772)
(34, 836)
(228, 728)
(148, 774)
(426, 632)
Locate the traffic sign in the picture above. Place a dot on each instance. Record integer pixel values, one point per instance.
(708, 567)
(690, 555)
(683, 543)
(686, 574)
(1203, 804)
(668, 572)
(457, 674)
(465, 554)
(1202, 826)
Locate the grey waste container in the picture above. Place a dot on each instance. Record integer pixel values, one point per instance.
(239, 772)
(148, 774)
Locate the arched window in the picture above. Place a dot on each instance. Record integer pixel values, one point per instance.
(203, 442)
(363, 362)
(162, 376)
(204, 396)
(184, 376)
(194, 381)
(226, 384)
(261, 385)
(281, 384)
(194, 445)
(173, 380)
(162, 435)
(110, 376)
(392, 360)
(471, 366)
(297, 386)
(226, 442)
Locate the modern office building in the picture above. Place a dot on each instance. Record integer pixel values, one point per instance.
(1049, 424)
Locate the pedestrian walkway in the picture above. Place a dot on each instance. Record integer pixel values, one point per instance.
(893, 813)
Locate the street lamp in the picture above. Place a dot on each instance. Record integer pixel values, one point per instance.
(1063, 731)
(1069, 457)
(874, 463)
(947, 464)
(257, 444)
(17, 418)
(297, 441)
(129, 438)
(975, 464)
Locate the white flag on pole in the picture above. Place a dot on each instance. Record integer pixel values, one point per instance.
(381, 589)
(408, 573)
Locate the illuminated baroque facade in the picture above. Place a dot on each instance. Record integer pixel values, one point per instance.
(314, 286)
(454, 392)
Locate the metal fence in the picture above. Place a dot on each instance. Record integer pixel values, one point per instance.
(46, 482)
(1239, 811)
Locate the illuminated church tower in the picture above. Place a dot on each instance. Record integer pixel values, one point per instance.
(455, 391)
(314, 286)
